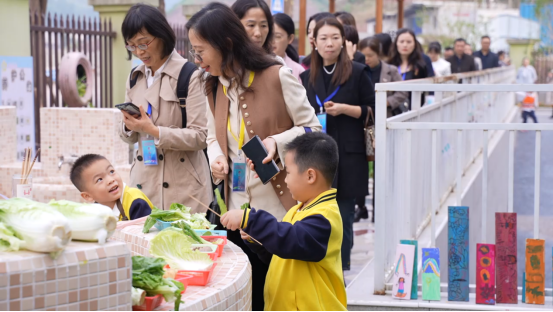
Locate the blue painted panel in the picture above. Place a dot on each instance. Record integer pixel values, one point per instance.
(458, 254)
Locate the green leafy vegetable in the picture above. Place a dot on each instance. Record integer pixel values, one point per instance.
(173, 214)
(175, 248)
(208, 233)
(245, 206)
(188, 231)
(221, 202)
(147, 274)
(89, 222)
(9, 239)
(42, 228)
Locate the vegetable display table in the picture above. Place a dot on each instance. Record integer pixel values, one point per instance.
(230, 286)
(86, 276)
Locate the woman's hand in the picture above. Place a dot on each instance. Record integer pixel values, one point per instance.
(270, 145)
(141, 124)
(219, 168)
(351, 48)
(334, 109)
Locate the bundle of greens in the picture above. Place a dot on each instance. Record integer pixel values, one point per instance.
(147, 274)
(175, 247)
(177, 212)
(89, 222)
(41, 228)
(221, 202)
(187, 230)
(9, 239)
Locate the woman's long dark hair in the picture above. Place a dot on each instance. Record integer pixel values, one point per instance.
(287, 24)
(241, 7)
(343, 64)
(385, 44)
(142, 16)
(221, 28)
(415, 58)
(317, 18)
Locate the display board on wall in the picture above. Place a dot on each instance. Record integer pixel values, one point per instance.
(16, 74)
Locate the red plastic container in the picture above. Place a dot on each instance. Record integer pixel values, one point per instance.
(184, 280)
(198, 278)
(150, 303)
(219, 246)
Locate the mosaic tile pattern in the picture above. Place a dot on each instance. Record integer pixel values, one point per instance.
(229, 289)
(8, 136)
(85, 277)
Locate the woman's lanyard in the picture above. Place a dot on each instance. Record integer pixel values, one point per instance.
(241, 134)
(402, 75)
(326, 100)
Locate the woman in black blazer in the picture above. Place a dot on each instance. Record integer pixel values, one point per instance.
(341, 93)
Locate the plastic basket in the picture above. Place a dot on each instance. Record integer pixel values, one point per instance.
(221, 246)
(198, 278)
(150, 303)
(213, 232)
(184, 280)
(162, 225)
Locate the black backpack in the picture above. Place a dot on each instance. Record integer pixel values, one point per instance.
(182, 86)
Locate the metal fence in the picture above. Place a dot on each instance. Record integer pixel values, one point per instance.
(422, 155)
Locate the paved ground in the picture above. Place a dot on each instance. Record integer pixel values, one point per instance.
(524, 193)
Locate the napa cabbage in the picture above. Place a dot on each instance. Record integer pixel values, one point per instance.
(9, 239)
(42, 228)
(175, 248)
(89, 222)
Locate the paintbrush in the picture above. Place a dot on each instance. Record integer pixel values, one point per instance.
(199, 202)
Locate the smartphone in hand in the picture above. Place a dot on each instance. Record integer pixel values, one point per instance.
(129, 108)
(256, 152)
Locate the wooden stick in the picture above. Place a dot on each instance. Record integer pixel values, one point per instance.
(31, 167)
(199, 202)
(25, 165)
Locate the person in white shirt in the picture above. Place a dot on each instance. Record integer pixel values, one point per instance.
(441, 66)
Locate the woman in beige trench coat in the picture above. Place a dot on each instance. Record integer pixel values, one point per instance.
(182, 168)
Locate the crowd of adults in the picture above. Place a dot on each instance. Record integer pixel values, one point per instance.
(252, 81)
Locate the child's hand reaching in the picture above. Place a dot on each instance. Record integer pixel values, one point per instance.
(244, 235)
(233, 219)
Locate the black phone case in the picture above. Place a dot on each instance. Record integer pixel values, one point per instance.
(255, 150)
(129, 108)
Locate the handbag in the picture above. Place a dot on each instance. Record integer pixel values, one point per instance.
(369, 135)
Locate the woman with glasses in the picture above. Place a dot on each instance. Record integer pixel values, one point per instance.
(249, 94)
(173, 166)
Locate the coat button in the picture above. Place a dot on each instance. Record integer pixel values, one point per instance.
(139, 158)
(138, 186)
(165, 184)
(241, 98)
(246, 115)
(249, 123)
(245, 106)
(251, 131)
(274, 178)
(160, 157)
(281, 193)
(278, 186)
(182, 160)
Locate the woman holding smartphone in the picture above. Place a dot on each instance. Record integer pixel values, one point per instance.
(170, 163)
(249, 93)
(341, 92)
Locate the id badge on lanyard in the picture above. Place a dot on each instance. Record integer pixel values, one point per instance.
(322, 115)
(149, 150)
(402, 75)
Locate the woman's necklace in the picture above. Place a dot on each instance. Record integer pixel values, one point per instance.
(330, 72)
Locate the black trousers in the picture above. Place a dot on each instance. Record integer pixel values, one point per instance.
(531, 114)
(259, 271)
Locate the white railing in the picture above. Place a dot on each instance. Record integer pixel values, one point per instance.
(426, 159)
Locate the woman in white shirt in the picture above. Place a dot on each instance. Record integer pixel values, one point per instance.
(282, 44)
(441, 67)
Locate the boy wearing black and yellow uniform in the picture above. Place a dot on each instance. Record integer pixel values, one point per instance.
(305, 271)
(96, 179)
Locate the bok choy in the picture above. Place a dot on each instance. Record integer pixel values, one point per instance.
(42, 228)
(90, 222)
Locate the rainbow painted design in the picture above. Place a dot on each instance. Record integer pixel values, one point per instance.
(431, 274)
(403, 278)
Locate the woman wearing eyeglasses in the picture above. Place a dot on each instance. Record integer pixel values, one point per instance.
(181, 168)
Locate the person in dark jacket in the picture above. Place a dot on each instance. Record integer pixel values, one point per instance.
(341, 93)
(352, 40)
(489, 59)
(461, 62)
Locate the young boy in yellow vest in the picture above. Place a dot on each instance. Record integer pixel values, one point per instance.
(96, 179)
(305, 271)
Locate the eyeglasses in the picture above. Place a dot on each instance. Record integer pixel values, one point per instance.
(142, 47)
(194, 56)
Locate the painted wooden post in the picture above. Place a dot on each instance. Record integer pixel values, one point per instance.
(485, 274)
(431, 274)
(403, 274)
(535, 271)
(506, 257)
(458, 254)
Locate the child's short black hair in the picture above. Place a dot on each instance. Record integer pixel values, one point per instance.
(315, 150)
(79, 166)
